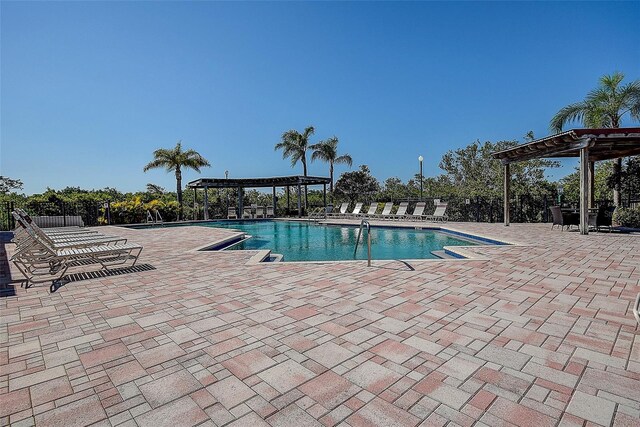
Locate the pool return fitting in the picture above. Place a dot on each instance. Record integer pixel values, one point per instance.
(363, 223)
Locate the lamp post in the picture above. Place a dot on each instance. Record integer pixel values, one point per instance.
(420, 159)
(560, 192)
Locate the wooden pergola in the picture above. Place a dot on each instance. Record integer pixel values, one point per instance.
(241, 183)
(590, 145)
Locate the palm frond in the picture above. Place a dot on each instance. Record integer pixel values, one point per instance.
(344, 159)
(570, 113)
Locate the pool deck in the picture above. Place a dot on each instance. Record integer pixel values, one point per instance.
(536, 334)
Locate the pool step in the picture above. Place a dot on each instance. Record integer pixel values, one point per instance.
(274, 258)
(442, 254)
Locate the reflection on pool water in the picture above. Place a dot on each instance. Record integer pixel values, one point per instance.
(302, 241)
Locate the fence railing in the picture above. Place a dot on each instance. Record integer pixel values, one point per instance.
(523, 208)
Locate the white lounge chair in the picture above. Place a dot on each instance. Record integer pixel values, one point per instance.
(59, 240)
(260, 212)
(386, 211)
(373, 207)
(38, 261)
(270, 213)
(418, 212)
(246, 213)
(439, 213)
(356, 211)
(341, 211)
(401, 212)
(232, 213)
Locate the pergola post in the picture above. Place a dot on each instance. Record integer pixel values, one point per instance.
(299, 201)
(324, 197)
(288, 202)
(592, 186)
(240, 207)
(206, 203)
(584, 190)
(507, 185)
(195, 196)
(274, 200)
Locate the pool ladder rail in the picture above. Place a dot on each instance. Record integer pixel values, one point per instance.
(155, 220)
(363, 223)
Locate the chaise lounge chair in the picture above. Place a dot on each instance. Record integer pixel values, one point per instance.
(401, 212)
(341, 211)
(386, 211)
(270, 213)
(373, 207)
(439, 213)
(38, 261)
(260, 212)
(246, 213)
(232, 213)
(356, 211)
(418, 212)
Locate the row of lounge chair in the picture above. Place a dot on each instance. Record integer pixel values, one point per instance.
(251, 212)
(46, 254)
(400, 215)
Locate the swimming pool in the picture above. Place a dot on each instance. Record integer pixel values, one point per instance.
(303, 241)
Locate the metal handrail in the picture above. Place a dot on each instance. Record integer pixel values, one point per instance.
(636, 309)
(363, 223)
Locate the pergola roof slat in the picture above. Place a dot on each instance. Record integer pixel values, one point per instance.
(278, 181)
(603, 144)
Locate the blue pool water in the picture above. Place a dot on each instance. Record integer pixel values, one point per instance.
(301, 241)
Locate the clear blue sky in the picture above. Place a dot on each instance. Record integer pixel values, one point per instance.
(90, 89)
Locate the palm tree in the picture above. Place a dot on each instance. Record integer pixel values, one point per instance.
(294, 145)
(604, 107)
(174, 160)
(327, 151)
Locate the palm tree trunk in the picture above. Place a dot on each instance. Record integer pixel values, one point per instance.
(179, 191)
(617, 168)
(331, 176)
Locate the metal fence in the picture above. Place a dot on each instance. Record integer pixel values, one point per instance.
(523, 208)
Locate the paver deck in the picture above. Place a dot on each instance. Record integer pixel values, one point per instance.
(540, 334)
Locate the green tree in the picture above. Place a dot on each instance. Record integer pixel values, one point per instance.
(571, 183)
(7, 184)
(294, 145)
(393, 189)
(357, 185)
(474, 172)
(175, 160)
(604, 107)
(155, 189)
(629, 174)
(327, 151)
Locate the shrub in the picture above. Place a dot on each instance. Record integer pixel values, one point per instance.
(627, 217)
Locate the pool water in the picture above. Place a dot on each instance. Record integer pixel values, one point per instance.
(302, 241)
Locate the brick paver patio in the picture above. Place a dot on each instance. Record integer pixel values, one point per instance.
(540, 334)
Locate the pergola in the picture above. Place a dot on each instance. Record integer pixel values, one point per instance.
(590, 145)
(241, 183)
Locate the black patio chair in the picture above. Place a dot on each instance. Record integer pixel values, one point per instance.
(563, 219)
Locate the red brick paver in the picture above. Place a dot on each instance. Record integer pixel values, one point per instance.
(539, 333)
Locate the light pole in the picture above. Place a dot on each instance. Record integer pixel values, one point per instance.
(420, 159)
(560, 192)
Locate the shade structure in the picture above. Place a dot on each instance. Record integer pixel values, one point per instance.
(278, 181)
(590, 145)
